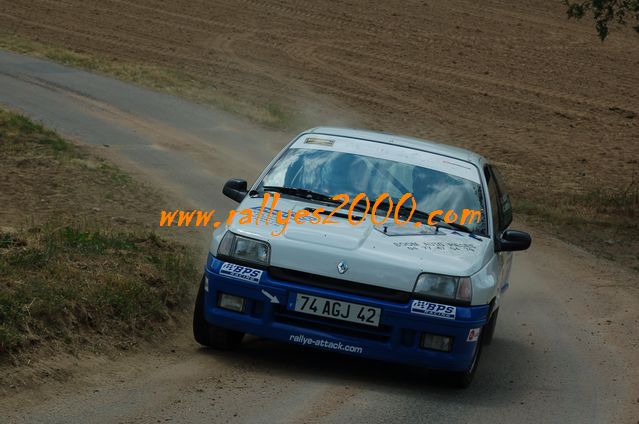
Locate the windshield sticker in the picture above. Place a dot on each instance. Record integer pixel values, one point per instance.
(240, 272)
(320, 141)
(433, 309)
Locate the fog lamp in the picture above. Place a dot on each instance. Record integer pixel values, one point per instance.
(230, 302)
(437, 342)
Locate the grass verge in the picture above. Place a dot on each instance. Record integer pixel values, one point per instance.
(65, 285)
(604, 222)
(71, 276)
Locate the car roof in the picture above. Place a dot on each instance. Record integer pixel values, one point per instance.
(400, 140)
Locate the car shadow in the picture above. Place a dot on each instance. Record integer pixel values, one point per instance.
(504, 368)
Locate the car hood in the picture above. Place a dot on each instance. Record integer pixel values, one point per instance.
(388, 255)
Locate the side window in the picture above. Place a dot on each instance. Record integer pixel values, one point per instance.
(505, 209)
(493, 193)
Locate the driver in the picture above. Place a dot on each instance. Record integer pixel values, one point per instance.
(426, 185)
(350, 175)
(358, 176)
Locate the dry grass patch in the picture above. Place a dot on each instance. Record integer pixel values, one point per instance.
(80, 265)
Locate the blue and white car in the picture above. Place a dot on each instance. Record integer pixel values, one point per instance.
(424, 295)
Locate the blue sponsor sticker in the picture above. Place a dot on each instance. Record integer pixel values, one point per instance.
(241, 272)
(438, 310)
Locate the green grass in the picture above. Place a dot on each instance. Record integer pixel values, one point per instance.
(604, 222)
(623, 202)
(79, 278)
(17, 131)
(611, 208)
(65, 282)
(118, 177)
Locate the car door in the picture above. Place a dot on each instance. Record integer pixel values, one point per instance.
(502, 217)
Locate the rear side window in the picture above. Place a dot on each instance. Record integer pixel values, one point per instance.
(505, 209)
(493, 193)
(502, 214)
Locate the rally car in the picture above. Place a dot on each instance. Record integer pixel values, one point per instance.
(416, 288)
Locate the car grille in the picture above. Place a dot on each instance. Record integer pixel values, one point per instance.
(345, 286)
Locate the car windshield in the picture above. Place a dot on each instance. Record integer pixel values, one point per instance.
(332, 172)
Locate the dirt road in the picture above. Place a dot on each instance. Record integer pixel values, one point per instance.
(566, 345)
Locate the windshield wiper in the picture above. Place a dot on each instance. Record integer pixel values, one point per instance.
(405, 211)
(453, 225)
(300, 192)
(309, 195)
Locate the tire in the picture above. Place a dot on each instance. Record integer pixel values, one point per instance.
(489, 329)
(462, 379)
(210, 335)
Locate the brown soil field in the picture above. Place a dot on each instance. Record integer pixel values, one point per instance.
(516, 81)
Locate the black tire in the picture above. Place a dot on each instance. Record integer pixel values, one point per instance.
(489, 329)
(210, 335)
(462, 379)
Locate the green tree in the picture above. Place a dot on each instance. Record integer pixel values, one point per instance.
(606, 12)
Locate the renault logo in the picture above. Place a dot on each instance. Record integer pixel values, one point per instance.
(342, 267)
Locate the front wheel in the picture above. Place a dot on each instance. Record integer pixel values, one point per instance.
(489, 330)
(462, 379)
(210, 335)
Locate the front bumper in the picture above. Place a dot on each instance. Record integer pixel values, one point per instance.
(396, 339)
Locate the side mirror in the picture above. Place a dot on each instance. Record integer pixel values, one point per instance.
(512, 240)
(235, 189)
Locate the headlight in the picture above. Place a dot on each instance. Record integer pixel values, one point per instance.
(244, 249)
(444, 286)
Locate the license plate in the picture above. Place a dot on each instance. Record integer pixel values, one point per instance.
(337, 309)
